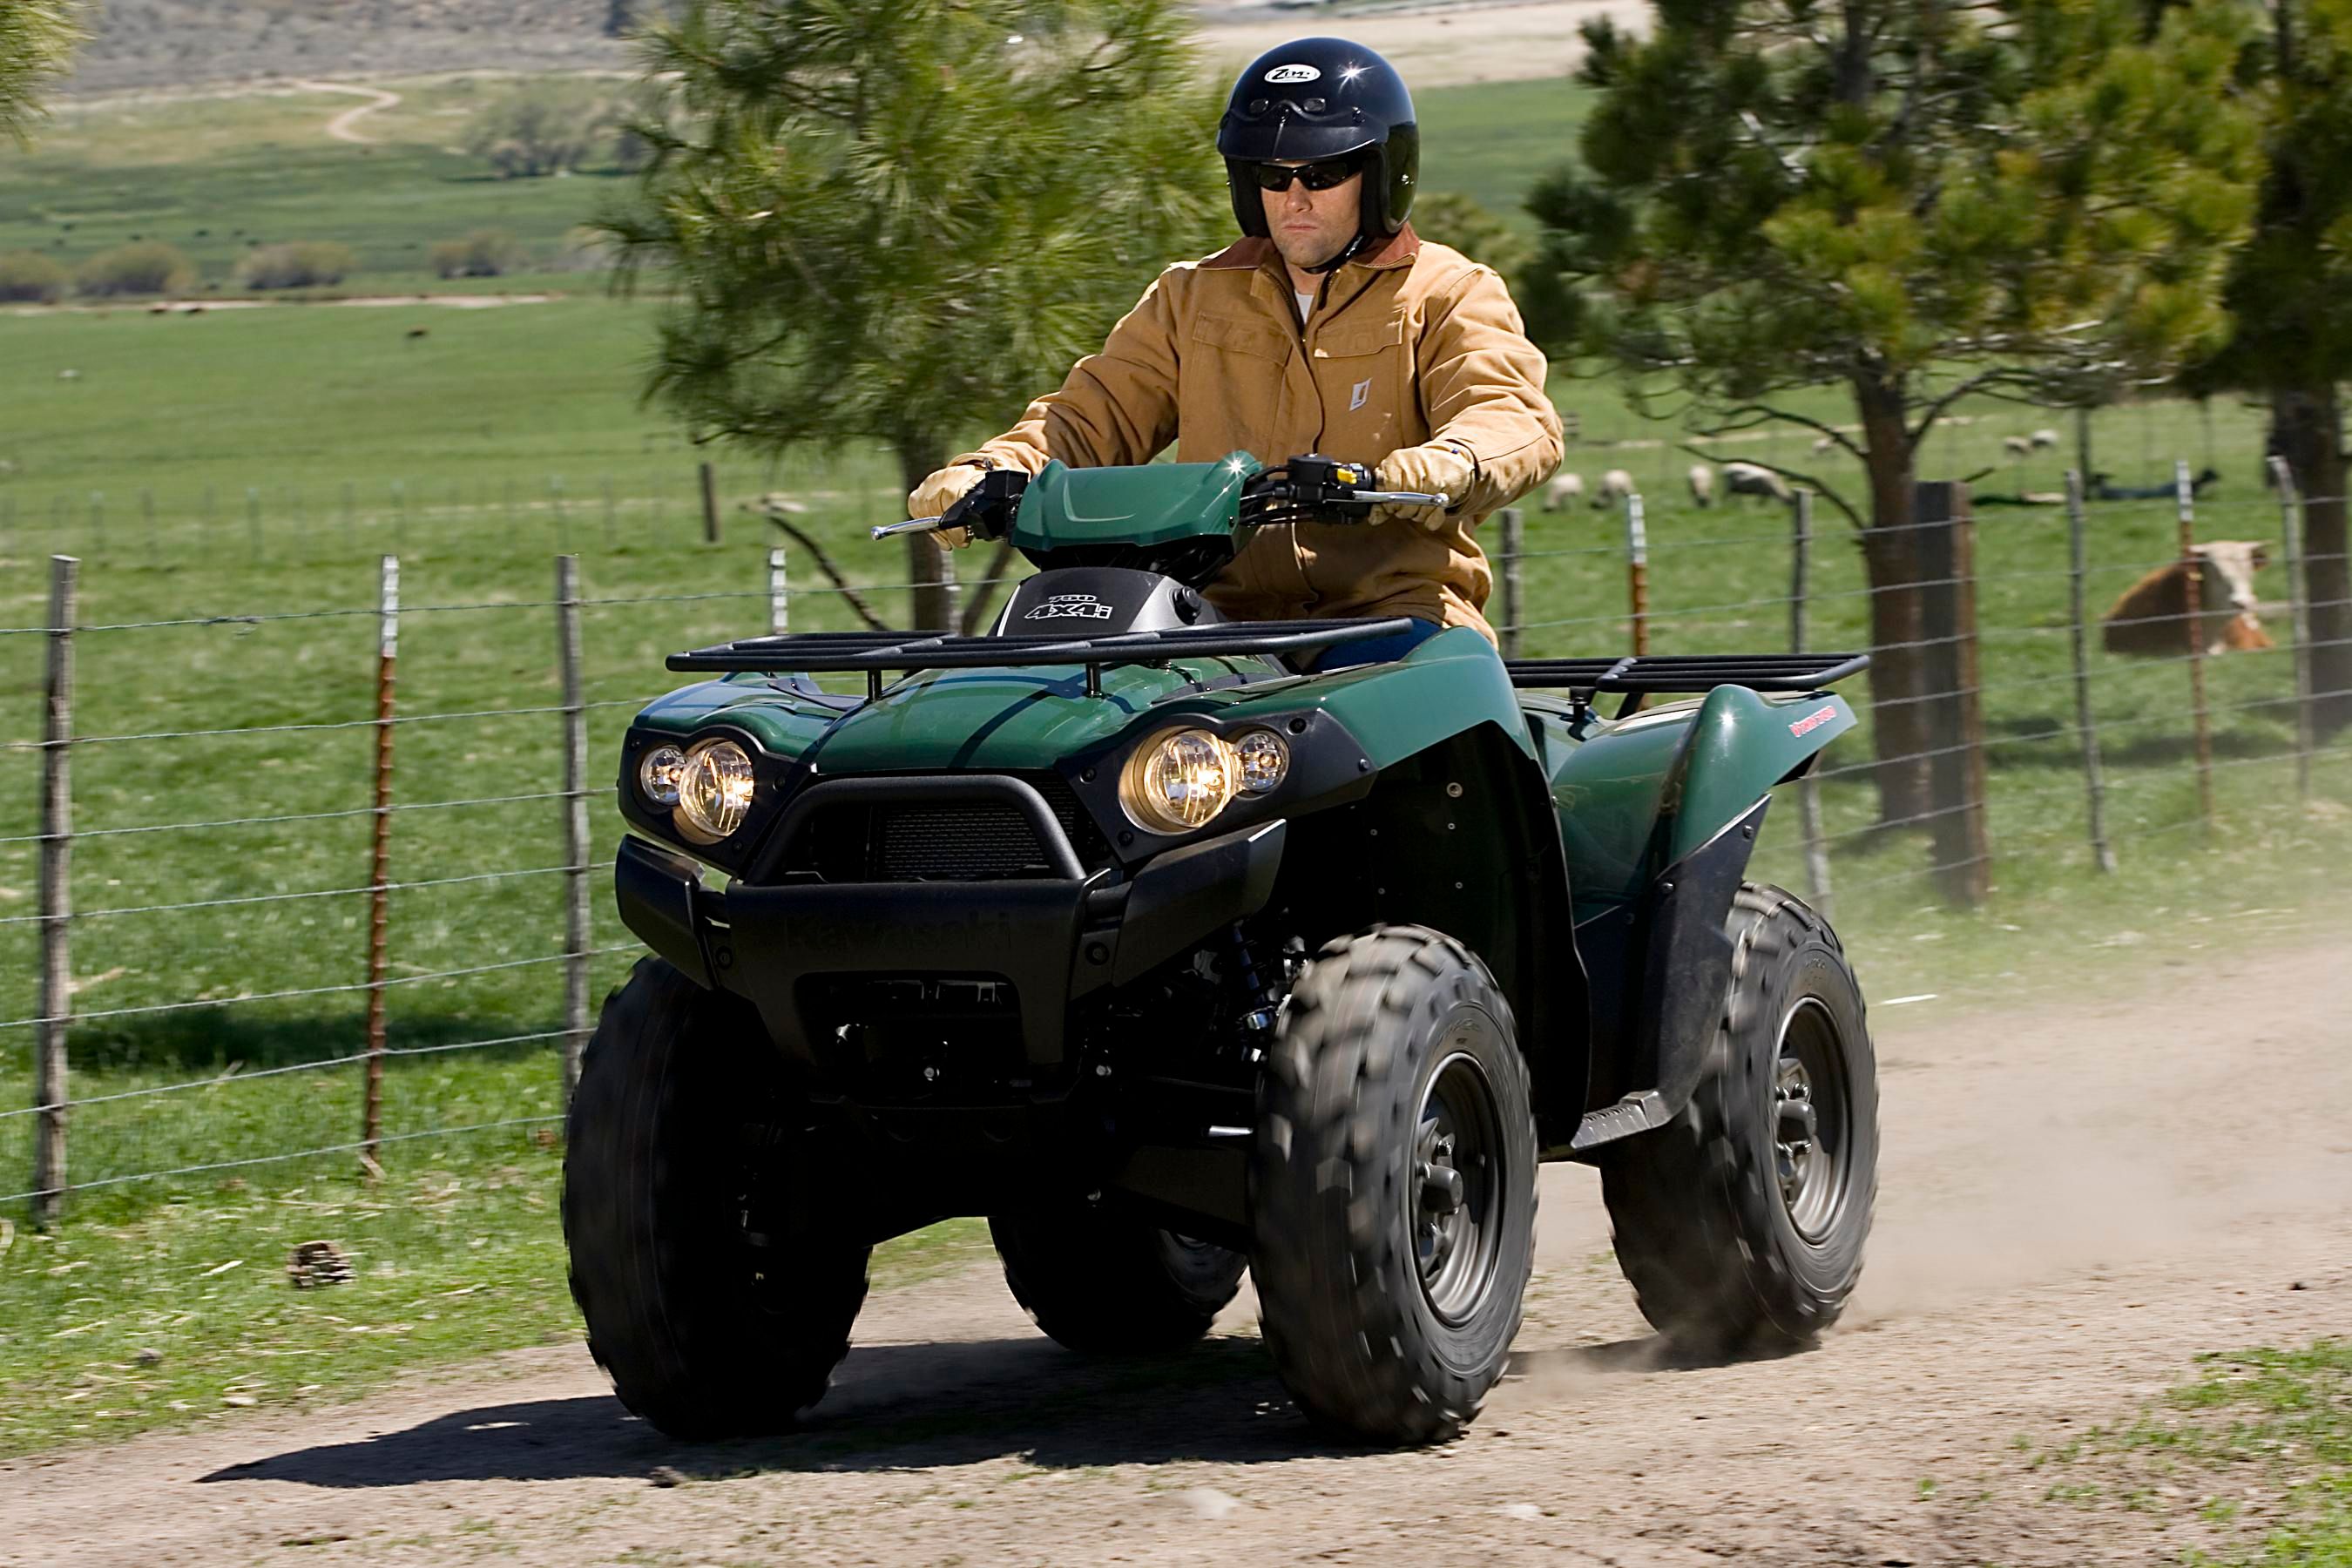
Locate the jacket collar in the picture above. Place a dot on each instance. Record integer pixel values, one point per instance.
(1247, 254)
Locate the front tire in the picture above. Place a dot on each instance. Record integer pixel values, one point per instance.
(715, 1296)
(1108, 1284)
(1741, 1223)
(1392, 1187)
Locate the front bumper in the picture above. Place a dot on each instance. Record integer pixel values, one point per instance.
(1053, 939)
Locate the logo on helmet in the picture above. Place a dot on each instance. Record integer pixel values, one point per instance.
(1294, 73)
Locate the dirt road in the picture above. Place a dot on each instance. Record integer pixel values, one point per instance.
(2076, 1200)
(340, 126)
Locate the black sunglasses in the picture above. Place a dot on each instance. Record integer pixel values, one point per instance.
(1329, 174)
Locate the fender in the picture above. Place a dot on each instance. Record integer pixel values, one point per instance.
(1712, 805)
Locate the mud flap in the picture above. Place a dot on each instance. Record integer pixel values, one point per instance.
(1686, 969)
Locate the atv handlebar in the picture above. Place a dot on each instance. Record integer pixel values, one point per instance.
(1312, 489)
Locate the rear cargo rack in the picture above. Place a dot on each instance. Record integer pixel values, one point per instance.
(1640, 674)
(875, 652)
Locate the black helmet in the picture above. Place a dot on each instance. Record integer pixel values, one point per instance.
(1316, 99)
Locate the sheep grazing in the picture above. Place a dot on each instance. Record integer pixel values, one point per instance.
(2016, 447)
(1823, 445)
(1616, 486)
(1564, 492)
(1702, 484)
(2043, 440)
(1748, 479)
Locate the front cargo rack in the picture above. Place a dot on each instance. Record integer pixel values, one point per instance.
(1643, 674)
(875, 652)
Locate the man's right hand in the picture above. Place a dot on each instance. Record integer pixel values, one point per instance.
(941, 490)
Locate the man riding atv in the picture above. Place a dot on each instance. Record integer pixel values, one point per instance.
(1330, 327)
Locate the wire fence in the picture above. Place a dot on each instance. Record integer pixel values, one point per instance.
(219, 971)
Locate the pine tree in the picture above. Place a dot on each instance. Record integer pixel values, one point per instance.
(898, 220)
(2290, 298)
(36, 37)
(1913, 203)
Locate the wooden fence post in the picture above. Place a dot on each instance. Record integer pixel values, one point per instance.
(2094, 776)
(380, 867)
(1637, 573)
(2298, 599)
(575, 822)
(1513, 523)
(1809, 788)
(2193, 620)
(780, 600)
(50, 1088)
(709, 503)
(1952, 695)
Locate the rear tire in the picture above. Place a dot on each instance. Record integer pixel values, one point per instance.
(1105, 1283)
(1392, 1187)
(1741, 1223)
(715, 1297)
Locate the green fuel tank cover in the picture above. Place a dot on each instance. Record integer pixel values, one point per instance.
(1156, 503)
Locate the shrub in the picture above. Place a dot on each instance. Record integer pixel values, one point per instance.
(305, 264)
(27, 275)
(149, 267)
(549, 128)
(485, 253)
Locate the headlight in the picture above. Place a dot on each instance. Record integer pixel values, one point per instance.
(658, 774)
(1178, 781)
(714, 792)
(1264, 760)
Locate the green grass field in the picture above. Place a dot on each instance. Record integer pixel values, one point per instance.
(238, 465)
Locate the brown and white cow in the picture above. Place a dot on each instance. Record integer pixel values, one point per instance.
(2145, 621)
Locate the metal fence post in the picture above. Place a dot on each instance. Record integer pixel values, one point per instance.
(709, 477)
(1637, 572)
(2193, 618)
(2298, 600)
(2094, 776)
(575, 822)
(780, 602)
(380, 865)
(1514, 523)
(1809, 788)
(57, 900)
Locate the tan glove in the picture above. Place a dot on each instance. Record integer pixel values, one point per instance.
(1441, 468)
(941, 490)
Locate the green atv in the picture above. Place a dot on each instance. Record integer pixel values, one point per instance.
(1122, 928)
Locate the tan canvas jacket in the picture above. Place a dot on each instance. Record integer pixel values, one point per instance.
(1410, 342)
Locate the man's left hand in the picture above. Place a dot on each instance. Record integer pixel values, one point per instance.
(1433, 469)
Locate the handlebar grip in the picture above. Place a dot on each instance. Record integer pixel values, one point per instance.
(912, 525)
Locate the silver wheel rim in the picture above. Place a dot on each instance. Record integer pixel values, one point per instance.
(1454, 1187)
(1809, 1118)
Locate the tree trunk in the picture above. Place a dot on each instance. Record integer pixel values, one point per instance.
(927, 564)
(1890, 555)
(2308, 424)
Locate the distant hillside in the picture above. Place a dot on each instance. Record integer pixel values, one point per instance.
(173, 42)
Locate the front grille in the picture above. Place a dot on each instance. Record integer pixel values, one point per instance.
(979, 839)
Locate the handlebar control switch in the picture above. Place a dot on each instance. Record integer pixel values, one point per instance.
(987, 508)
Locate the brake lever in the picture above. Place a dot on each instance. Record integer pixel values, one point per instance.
(1404, 498)
(912, 525)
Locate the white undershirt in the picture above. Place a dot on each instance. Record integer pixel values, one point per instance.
(1306, 304)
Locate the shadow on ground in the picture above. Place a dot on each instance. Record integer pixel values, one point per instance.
(904, 1406)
